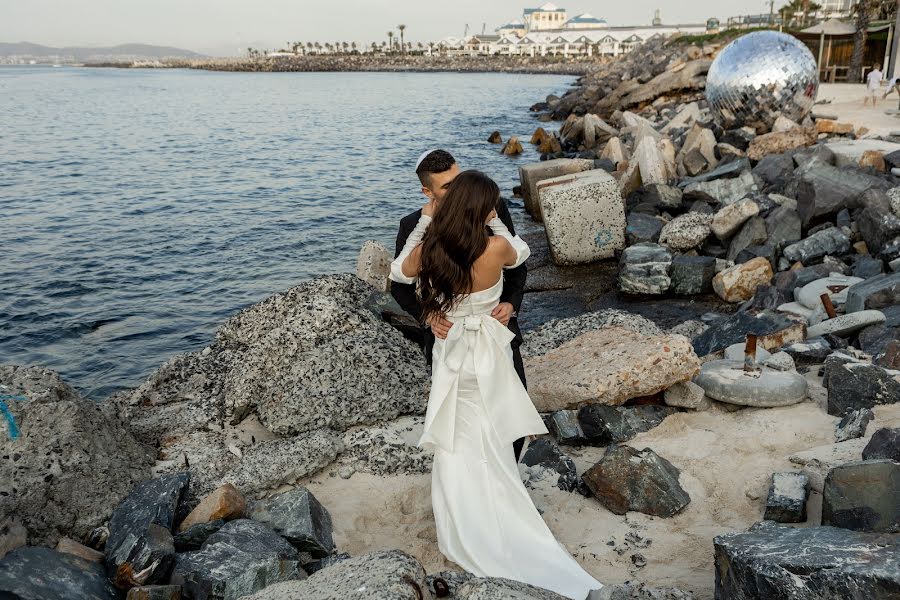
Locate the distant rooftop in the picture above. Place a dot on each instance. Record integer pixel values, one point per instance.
(548, 7)
(585, 18)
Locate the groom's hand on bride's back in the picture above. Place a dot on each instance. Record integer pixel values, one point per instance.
(440, 326)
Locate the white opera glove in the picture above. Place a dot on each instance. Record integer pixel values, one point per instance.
(518, 244)
(414, 239)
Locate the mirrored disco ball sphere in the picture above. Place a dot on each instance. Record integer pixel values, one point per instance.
(760, 76)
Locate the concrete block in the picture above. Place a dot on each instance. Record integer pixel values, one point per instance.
(531, 175)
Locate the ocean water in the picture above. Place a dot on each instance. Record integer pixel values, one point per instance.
(140, 208)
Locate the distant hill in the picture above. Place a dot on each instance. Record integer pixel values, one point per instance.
(29, 51)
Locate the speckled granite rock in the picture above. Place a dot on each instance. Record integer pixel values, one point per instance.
(608, 366)
(686, 231)
(383, 574)
(820, 563)
(70, 463)
(555, 333)
(497, 588)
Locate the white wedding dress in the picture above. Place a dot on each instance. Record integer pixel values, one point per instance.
(486, 521)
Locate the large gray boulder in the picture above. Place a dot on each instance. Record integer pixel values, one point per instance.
(498, 588)
(390, 574)
(69, 464)
(300, 518)
(863, 496)
(240, 559)
(822, 563)
(36, 573)
(557, 332)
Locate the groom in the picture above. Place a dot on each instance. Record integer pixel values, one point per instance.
(436, 170)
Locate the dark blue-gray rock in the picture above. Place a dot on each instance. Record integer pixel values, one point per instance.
(603, 425)
(783, 226)
(72, 461)
(644, 269)
(786, 502)
(195, 535)
(766, 251)
(546, 453)
(877, 199)
(828, 241)
(863, 496)
(739, 138)
(884, 445)
(640, 480)
(768, 297)
(389, 574)
(788, 281)
(867, 266)
(692, 274)
(873, 340)
(880, 230)
(892, 159)
(664, 197)
(777, 562)
(751, 233)
(853, 425)
(241, 558)
(37, 573)
(853, 385)
(325, 562)
(155, 592)
(819, 153)
(823, 190)
(775, 171)
(298, 517)
(564, 426)
(812, 351)
(733, 329)
(724, 171)
(878, 292)
(140, 549)
(641, 228)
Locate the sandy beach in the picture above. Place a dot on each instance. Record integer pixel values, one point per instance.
(845, 101)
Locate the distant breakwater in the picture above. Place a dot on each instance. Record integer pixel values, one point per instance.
(554, 65)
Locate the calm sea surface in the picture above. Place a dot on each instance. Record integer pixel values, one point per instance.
(140, 208)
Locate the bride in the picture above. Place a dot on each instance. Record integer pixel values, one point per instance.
(485, 519)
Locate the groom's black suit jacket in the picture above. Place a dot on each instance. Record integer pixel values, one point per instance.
(513, 285)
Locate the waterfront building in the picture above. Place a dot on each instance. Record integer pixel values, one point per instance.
(585, 21)
(546, 17)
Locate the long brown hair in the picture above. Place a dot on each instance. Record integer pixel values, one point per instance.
(454, 240)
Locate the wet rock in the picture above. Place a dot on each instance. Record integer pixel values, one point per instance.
(772, 329)
(862, 496)
(225, 502)
(692, 274)
(155, 592)
(603, 425)
(37, 573)
(786, 502)
(686, 394)
(726, 381)
(846, 325)
(530, 175)
(70, 462)
(739, 283)
(780, 141)
(726, 191)
(382, 574)
(496, 138)
(884, 445)
(564, 426)
(272, 463)
(608, 366)
(765, 561)
(512, 147)
(140, 549)
(753, 233)
(642, 228)
(828, 241)
(298, 517)
(640, 480)
(374, 265)
(878, 292)
(240, 559)
(853, 385)
(556, 332)
(853, 425)
(729, 219)
(584, 216)
(193, 537)
(644, 269)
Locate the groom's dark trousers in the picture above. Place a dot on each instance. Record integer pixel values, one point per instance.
(513, 291)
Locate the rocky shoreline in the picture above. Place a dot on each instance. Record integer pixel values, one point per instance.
(551, 65)
(721, 364)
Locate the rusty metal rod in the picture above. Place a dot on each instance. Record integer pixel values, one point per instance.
(829, 307)
(750, 353)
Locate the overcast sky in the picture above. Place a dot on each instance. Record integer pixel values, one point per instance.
(220, 26)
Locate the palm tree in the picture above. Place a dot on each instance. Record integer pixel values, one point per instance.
(863, 14)
(390, 39)
(250, 52)
(318, 48)
(402, 28)
(353, 46)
